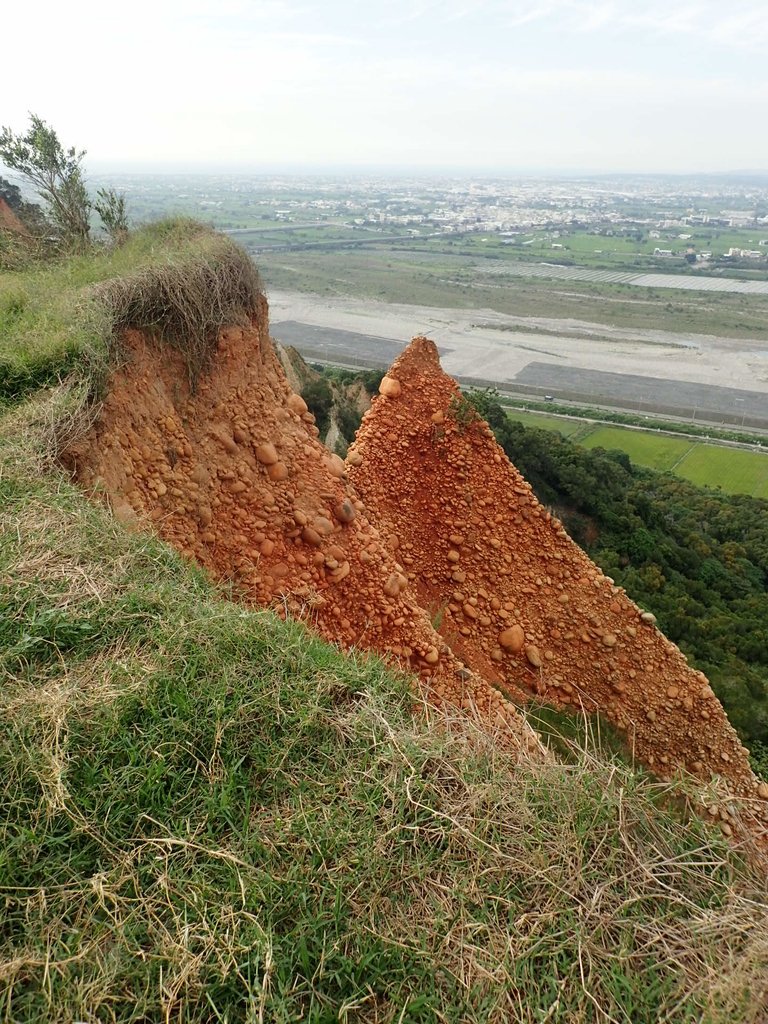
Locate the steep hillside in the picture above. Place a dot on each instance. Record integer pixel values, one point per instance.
(227, 466)
(232, 474)
(208, 812)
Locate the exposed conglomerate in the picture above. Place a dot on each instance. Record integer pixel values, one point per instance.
(233, 475)
(447, 535)
(518, 600)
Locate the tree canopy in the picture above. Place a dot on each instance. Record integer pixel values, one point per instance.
(55, 172)
(56, 175)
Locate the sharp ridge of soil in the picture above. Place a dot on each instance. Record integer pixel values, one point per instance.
(234, 476)
(522, 603)
(426, 525)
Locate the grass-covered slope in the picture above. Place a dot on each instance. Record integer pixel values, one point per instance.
(176, 278)
(208, 815)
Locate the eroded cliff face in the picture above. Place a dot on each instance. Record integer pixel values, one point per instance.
(233, 475)
(428, 522)
(521, 603)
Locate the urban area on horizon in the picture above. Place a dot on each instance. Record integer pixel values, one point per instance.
(384, 512)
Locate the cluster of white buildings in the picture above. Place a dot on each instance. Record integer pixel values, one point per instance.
(745, 254)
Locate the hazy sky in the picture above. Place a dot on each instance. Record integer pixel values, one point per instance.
(499, 85)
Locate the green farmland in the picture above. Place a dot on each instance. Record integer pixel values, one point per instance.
(563, 425)
(657, 451)
(735, 470)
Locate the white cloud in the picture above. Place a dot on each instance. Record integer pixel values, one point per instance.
(738, 23)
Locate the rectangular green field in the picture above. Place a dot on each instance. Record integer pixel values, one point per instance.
(560, 424)
(735, 470)
(657, 451)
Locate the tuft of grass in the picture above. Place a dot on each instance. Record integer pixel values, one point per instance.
(206, 814)
(177, 279)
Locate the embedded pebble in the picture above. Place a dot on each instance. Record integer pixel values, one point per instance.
(392, 586)
(296, 404)
(429, 482)
(322, 526)
(267, 454)
(512, 639)
(389, 387)
(345, 511)
(533, 655)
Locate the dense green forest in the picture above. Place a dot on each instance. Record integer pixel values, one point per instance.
(695, 557)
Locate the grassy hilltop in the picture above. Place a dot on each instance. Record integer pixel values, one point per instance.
(209, 815)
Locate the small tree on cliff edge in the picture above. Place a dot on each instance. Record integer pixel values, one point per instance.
(56, 175)
(110, 206)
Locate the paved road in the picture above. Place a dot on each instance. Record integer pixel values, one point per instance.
(649, 394)
(626, 391)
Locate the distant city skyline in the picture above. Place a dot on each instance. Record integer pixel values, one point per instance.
(493, 87)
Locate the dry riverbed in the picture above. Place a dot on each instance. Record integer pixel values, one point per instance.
(486, 344)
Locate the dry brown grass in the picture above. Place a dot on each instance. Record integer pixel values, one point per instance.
(186, 300)
(177, 280)
(556, 892)
(595, 849)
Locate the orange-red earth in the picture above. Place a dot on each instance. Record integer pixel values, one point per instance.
(426, 525)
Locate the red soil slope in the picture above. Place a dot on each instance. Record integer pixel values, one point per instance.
(520, 602)
(9, 221)
(233, 475)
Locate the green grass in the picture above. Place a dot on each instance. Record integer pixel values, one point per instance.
(656, 451)
(53, 317)
(736, 471)
(560, 424)
(688, 428)
(209, 815)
